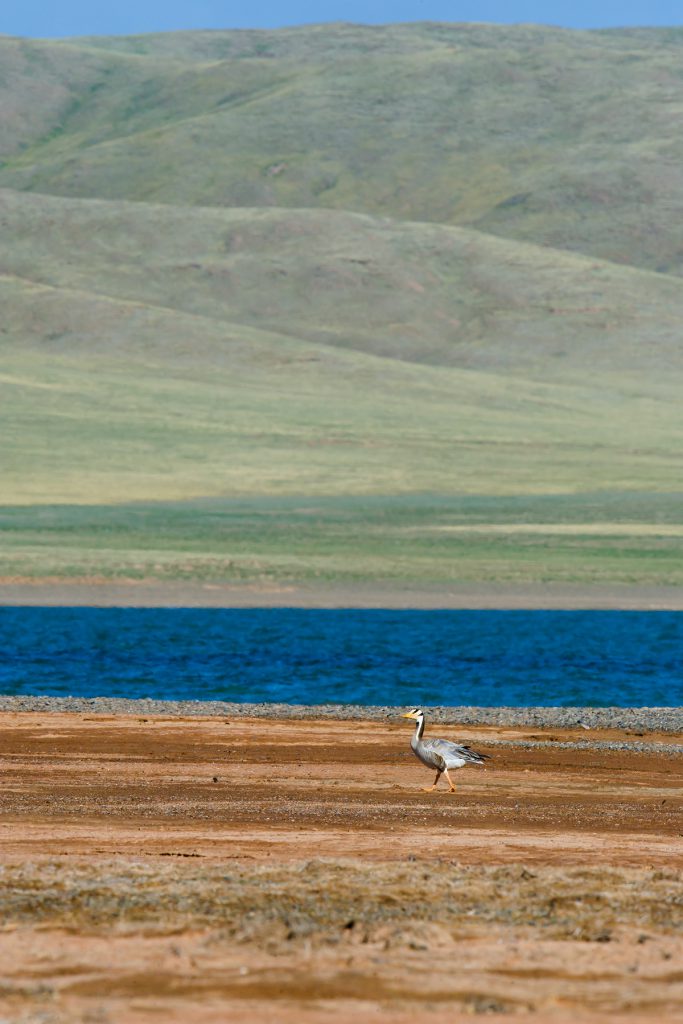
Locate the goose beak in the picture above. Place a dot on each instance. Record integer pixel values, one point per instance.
(408, 715)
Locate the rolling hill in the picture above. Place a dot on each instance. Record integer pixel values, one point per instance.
(422, 293)
(567, 139)
(388, 270)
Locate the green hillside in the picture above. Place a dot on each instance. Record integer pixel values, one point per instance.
(118, 400)
(342, 303)
(421, 293)
(567, 139)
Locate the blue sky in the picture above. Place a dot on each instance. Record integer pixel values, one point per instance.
(86, 17)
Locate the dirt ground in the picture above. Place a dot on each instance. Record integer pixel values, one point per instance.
(210, 870)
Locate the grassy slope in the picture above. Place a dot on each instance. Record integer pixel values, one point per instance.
(144, 396)
(418, 292)
(180, 353)
(567, 139)
(273, 415)
(170, 352)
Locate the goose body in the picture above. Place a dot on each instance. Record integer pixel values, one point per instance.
(439, 754)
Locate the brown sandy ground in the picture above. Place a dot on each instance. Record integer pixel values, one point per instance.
(313, 881)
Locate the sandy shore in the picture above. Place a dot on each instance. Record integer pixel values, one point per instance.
(98, 593)
(223, 869)
(625, 727)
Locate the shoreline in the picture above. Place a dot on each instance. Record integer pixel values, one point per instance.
(98, 593)
(221, 868)
(585, 719)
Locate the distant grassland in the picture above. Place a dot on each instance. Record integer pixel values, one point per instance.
(351, 303)
(179, 354)
(568, 139)
(607, 538)
(264, 384)
(98, 433)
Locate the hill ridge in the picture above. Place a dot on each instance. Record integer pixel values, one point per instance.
(416, 292)
(361, 216)
(539, 134)
(430, 259)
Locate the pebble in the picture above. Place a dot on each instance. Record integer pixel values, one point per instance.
(634, 720)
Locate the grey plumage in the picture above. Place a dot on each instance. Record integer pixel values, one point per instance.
(438, 753)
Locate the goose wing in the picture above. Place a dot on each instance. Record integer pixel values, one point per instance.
(454, 752)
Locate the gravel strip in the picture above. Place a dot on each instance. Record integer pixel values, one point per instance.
(634, 746)
(634, 719)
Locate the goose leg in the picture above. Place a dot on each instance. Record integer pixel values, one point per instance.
(450, 781)
(428, 789)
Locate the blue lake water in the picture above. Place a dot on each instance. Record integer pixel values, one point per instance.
(485, 658)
